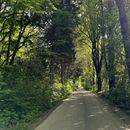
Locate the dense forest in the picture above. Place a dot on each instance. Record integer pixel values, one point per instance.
(50, 48)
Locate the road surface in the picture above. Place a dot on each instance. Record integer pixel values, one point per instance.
(83, 111)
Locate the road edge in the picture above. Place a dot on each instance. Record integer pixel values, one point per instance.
(122, 114)
(44, 116)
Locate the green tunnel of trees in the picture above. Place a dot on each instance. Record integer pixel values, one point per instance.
(50, 48)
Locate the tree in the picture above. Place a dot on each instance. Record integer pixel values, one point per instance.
(125, 32)
(60, 37)
(110, 50)
(93, 29)
(18, 25)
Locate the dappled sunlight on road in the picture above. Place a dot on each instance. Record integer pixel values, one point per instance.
(95, 112)
(83, 111)
(71, 99)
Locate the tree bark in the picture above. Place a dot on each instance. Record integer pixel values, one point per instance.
(10, 40)
(125, 32)
(99, 81)
(97, 61)
(9, 44)
(21, 32)
(62, 72)
(111, 52)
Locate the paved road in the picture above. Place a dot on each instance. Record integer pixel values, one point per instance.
(83, 111)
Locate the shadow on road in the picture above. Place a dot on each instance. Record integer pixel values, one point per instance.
(83, 111)
(97, 113)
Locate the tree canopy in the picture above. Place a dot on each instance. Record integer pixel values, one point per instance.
(50, 48)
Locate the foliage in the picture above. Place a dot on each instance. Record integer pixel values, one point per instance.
(25, 57)
(49, 48)
(100, 51)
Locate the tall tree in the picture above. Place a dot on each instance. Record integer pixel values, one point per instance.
(93, 29)
(59, 35)
(125, 31)
(110, 65)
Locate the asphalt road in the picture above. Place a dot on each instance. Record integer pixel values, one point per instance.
(83, 111)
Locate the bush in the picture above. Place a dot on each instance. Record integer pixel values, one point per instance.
(25, 93)
(21, 97)
(61, 91)
(120, 94)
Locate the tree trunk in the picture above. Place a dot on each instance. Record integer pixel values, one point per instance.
(125, 32)
(51, 73)
(93, 77)
(99, 80)
(111, 52)
(111, 68)
(9, 44)
(62, 72)
(97, 62)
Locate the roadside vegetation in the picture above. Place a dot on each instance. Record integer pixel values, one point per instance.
(48, 49)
